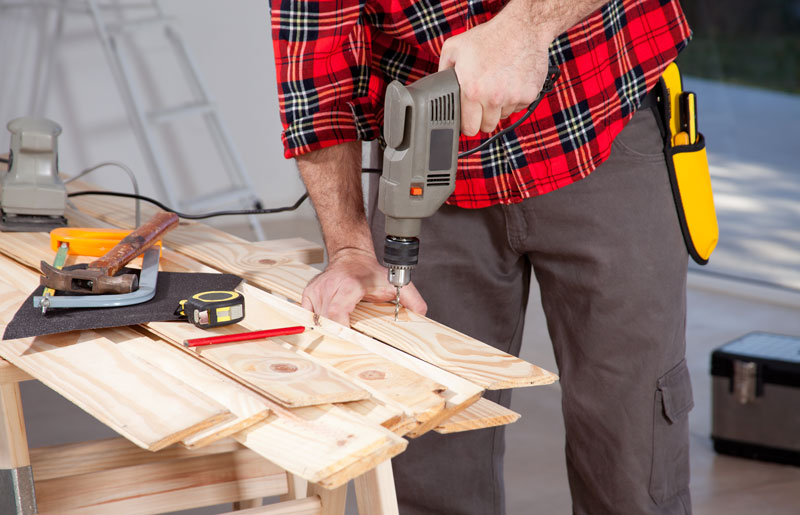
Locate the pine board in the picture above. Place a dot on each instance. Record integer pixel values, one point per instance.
(319, 443)
(246, 406)
(78, 458)
(150, 408)
(163, 486)
(419, 336)
(484, 413)
(261, 365)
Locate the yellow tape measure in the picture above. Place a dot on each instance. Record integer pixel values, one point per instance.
(213, 308)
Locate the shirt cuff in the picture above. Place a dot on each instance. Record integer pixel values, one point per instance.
(351, 121)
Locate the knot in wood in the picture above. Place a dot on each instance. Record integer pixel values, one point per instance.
(267, 261)
(285, 368)
(372, 375)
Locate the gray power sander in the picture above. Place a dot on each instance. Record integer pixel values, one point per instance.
(32, 196)
(421, 127)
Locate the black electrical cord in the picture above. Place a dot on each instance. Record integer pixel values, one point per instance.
(201, 216)
(552, 75)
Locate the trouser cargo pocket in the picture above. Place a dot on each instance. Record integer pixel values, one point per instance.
(673, 401)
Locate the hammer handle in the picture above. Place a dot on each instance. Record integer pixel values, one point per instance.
(135, 243)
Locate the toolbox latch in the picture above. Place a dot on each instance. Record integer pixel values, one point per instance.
(745, 381)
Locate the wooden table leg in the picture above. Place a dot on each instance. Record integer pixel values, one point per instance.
(298, 488)
(375, 491)
(333, 501)
(16, 477)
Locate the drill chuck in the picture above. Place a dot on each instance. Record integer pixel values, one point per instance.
(400, 256)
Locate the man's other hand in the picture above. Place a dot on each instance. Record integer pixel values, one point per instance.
(501, 65)
(352, 275)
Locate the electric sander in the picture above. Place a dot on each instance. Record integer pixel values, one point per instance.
(421, 128)
(32, 196)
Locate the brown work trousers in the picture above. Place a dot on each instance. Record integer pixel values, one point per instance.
(611, 265)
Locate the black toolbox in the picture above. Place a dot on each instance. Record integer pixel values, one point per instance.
(755, 385)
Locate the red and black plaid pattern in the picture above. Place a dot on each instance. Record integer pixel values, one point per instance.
(334, 59)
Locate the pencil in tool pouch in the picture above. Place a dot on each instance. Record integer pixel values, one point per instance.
(689, 176)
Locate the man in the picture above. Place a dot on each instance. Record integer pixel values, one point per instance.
(570, 192)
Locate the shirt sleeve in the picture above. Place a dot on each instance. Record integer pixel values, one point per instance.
(322, 60)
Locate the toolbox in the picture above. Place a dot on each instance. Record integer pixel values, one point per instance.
(756, 397)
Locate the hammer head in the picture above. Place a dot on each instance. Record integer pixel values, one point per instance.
(87, 280)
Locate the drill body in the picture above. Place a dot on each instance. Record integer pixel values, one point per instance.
(421, 127)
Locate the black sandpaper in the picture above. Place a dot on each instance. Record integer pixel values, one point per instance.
(171, 288)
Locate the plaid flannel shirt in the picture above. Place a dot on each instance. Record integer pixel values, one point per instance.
(334, 59)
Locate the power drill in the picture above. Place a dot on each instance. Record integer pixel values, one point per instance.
(421, 128)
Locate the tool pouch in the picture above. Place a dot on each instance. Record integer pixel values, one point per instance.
(689, 174)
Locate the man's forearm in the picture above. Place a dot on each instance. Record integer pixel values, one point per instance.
(552, 16)
(333, 179)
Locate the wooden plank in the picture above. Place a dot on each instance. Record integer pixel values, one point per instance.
(345, 446)
(386, 380)
(148, 407)
(284, 376)
(13, 440)
(320, 441)
(9, 374)
(459, 394)
(332, 501)
(419, 336)
(246, 406)
(482, 414)
(375, 491)
(78, 458)
(288, 377)
(163, 486)
(306, 506)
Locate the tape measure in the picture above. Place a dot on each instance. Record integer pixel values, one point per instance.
(213, 308)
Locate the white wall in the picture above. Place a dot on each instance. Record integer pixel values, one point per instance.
(230, 41)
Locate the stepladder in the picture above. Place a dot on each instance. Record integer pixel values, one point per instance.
(118, 25)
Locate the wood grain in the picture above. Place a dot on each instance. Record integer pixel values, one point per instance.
(119, 389)
(345, 445)
(13, 439)
(416, 335)
(284, 376)
(246, 406)
(163, 486)
(78, 458)
(307, 506)
(482, 414)
(9, 374)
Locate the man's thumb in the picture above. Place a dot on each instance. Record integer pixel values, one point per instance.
(411, 299)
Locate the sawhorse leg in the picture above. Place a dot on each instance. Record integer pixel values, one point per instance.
(16, 476)
(375, 493)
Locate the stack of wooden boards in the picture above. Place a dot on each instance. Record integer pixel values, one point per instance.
(326, 405)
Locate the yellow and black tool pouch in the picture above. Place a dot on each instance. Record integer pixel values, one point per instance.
(685, 152)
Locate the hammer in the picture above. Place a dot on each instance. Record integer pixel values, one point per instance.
(99, 276)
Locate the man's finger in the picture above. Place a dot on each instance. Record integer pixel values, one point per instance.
(447, 59)
(471, 115)
(341, 303)
(411, 299)
(306, 303)
(491, 115)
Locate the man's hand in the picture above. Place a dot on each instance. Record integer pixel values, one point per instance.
(353, 275)
(502, 64)
(333, 179)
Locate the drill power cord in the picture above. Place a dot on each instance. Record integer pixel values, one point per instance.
(552, 76)
(201, 216)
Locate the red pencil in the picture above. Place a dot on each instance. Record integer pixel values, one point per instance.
(249, 335)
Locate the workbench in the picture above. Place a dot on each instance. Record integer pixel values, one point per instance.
(297, 416)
